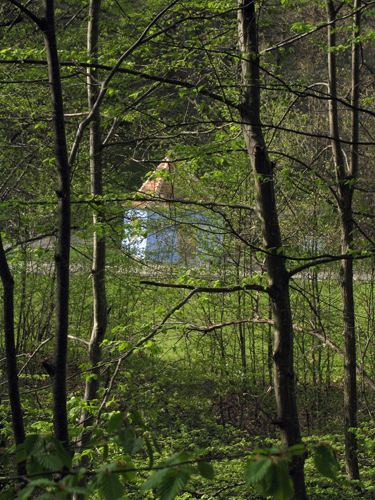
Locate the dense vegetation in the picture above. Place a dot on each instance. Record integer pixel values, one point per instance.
(244, 366)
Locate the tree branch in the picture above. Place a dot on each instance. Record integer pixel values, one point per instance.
(39, 22)
(208, 289)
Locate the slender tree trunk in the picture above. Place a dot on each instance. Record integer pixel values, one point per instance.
(11, 359)
(62, 255)
(99, 244)
(345, 178)
(287, 416)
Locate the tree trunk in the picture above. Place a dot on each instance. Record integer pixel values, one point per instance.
(278, 278)
(99, 244)
(345, 178)
(11, 359)
(62, 255)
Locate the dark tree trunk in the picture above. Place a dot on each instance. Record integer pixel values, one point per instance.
(287, 416)
(11, 359)
(62, 255)
(345, 178)
(58, 369)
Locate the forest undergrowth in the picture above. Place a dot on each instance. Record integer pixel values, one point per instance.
(193, 410)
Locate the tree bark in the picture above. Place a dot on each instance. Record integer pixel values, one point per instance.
(11, 359)
(58, 368)
(60, 420)
(345, 178)
(287, 416)
(99, 243)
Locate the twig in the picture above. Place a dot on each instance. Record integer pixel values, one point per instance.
(34, 353)
(78, 339)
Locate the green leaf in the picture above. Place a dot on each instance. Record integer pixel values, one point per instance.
(173, 483)
(105, 452)
(176, 459)
(34, 443)
(50, 496)
(63, 454)
(156, 444)
(124, 474)
(153, 481)
(110, 486)
(115, 422)
(6, 460)
(43, 482)
(50, 462)
(257, 470)
(25, 492)
(285, 489)
(297, 449)
(270, 477)
(206, 470)
(77, 489)
(138, 443)
(20, 453)
(126, 439)
(137, 417)
(150, 451)
(8, 494)
(268, 485)
(326, 461)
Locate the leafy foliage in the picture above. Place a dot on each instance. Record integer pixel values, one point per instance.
(268, 472)
(50, 468)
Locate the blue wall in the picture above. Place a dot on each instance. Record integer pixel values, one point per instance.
(176, 235)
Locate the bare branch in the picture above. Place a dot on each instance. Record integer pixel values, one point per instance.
(33, 354)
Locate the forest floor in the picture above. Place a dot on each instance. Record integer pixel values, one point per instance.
(204, 413)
